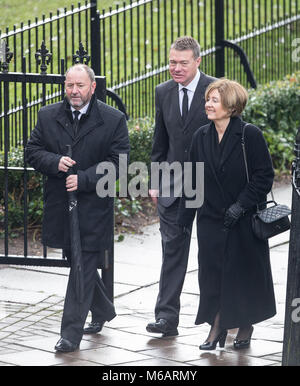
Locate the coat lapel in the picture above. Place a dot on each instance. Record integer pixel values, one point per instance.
(174, 104)
(64, 119)
(235, 139)
(91, 121)
(198, 101)
(207, 151)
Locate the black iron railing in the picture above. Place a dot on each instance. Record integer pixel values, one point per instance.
(129, 43)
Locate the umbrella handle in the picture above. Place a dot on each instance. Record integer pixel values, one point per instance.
(69, 151)
(69, 154)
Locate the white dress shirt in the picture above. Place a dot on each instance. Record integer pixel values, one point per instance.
(81, 111)
(191, 87)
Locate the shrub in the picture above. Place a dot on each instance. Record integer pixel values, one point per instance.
(274, 107)
(140, 136)
(16, 193)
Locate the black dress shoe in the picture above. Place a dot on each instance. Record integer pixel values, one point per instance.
(243, 343)
(161, 326)
(64, 345)
(94, 327)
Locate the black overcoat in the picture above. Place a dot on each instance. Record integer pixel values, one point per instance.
(102, 136)
(234, 267)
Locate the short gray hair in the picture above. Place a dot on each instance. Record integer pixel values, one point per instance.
(83, 67)
(187, 43)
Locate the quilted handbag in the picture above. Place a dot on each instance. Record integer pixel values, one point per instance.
(270, 221)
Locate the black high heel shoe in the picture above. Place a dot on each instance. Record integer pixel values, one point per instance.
(221, 338)
(243, 343)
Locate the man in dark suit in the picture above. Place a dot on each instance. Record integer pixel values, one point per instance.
(179, 112)
(97, 133)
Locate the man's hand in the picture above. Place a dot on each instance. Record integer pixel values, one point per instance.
(72, 183)
(153, 194)
(65, 163)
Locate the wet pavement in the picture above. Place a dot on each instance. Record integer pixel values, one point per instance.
(31, 303)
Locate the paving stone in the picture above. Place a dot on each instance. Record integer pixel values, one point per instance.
(259, 348)
(5, 364)
(125, 321)
(121, 339)
(77, 363)
(224, 358)
(273, 357)
(155, 362)
(47, 344)
(19, 325)
(32, 358)
(141, 330)
(181, 353)
(107, 356)
(272, 333)
(125, 341)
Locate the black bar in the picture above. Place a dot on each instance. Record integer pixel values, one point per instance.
(244, 61)
(219, 31)
(36, 78)
(95, 39)
(6, 150)
(291, 339)
(101, 88)
(25, 175)
(36, 261)
(118, 46)
(111, 48)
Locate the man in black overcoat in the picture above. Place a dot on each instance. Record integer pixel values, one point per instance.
(179, 112)
(97, 133)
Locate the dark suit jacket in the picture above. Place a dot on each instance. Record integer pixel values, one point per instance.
(102, 136)
(172, 138)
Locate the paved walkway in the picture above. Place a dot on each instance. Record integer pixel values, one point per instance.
(31, 302)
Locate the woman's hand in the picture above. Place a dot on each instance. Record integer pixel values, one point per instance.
(233, 214)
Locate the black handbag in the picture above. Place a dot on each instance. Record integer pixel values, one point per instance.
(272, 220)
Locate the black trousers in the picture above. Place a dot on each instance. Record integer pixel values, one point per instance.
(95, 300)
(175, 253)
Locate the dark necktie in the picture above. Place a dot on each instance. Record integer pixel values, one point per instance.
(75, 121)
(185, 105)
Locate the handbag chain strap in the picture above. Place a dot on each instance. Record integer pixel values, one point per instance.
(245, 157)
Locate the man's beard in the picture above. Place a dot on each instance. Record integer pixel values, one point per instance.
(80, 103)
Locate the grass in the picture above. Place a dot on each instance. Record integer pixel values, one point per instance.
(13, 12)
(138, 41)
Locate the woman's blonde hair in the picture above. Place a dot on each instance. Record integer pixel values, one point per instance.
(233, 95)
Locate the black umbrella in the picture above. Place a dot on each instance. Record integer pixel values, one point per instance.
(76, 260)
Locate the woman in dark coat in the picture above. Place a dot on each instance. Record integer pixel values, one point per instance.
(235, 279)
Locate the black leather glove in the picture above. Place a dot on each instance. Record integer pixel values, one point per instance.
(233, 214)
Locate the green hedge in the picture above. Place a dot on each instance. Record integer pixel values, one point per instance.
(275, 108)
(140, 136)
(16, 193)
